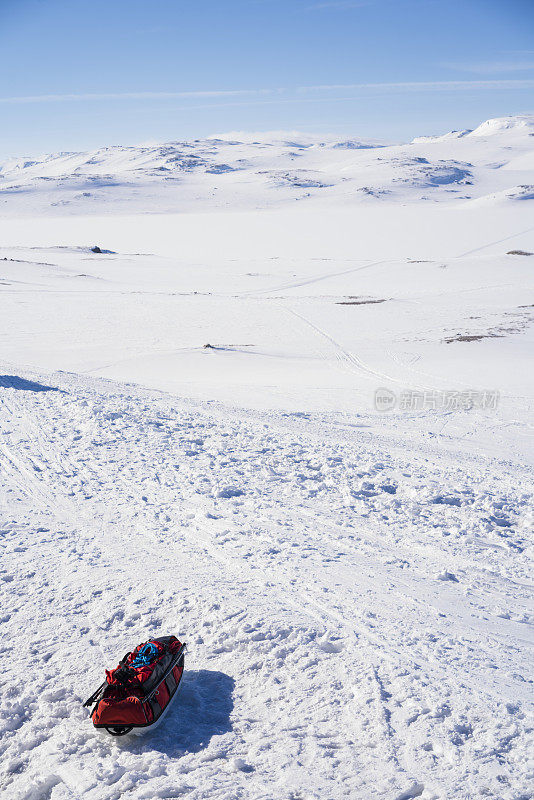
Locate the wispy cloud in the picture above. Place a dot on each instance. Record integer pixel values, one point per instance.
(278, 94)
(493, 67)
(424, 86)
(61, 98)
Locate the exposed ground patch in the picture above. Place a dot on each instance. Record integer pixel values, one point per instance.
(354, 301)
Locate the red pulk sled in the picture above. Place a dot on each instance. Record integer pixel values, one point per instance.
(136, 693)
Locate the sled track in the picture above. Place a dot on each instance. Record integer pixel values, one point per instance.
(353, 362)
(317, 279)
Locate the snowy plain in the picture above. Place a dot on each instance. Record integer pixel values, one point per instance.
(354, 585)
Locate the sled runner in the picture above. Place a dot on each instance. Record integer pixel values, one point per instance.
(136, 693)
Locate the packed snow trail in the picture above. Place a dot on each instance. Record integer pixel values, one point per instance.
(356, 612)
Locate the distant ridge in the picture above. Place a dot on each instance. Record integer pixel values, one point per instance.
(244, 171)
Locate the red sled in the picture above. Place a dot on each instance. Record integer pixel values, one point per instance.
(137, 692)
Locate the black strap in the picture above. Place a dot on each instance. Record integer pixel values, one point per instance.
(170, 682)
(174, 662)
(156, 708)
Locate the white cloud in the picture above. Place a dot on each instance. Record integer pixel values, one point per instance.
(492, 67)
(423, 86)
(278, 94)
(53, 98)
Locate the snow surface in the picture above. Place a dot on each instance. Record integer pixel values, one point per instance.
(355, 586)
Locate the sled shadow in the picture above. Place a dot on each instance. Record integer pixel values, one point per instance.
(200, 710)
(14, 382)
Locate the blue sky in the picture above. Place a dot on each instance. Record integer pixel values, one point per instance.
(79, 74)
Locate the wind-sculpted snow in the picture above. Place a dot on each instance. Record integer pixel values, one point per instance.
(356, 612)
(225, 173)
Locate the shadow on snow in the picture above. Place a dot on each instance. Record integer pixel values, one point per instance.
(200, 710)
(14, 382)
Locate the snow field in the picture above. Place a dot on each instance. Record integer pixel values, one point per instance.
(308, 333)
(357, 614)
(354, 587)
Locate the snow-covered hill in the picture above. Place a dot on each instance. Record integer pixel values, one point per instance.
(284, 411)
(226, 173)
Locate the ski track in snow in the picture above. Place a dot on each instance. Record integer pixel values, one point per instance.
(350, 360)
(316, 279)
(357, 615)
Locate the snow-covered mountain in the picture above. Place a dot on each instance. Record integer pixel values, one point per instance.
(495, 160)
